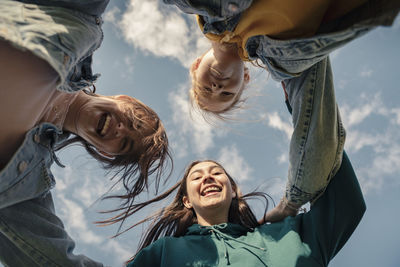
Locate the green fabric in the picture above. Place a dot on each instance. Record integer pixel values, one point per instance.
(309, 239)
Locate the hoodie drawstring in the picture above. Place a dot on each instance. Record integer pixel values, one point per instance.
(216, 229)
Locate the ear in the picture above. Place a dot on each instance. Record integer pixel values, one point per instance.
(186, 202)
(233, 194)
(246, 75)
(195, 64)
(124, 97)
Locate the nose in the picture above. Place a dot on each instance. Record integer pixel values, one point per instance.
(216, 86)
(121, 130)
(208, 179)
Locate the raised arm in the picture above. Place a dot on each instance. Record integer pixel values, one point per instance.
(317, 141)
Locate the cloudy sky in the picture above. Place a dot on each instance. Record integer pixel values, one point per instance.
(146, 52)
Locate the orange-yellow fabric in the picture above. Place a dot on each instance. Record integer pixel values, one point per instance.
(282, 19)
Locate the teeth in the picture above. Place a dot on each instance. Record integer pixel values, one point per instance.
(106, 125)
(211, 188)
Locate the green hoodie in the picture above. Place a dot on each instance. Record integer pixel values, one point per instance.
(309, 239)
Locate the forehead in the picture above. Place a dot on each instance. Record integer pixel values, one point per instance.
(203, 166)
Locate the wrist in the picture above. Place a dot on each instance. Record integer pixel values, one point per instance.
(289, 207)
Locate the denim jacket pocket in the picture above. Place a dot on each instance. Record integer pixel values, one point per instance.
(28, 175)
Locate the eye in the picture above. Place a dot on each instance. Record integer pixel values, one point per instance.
(226, 93)
(207, 89)
(130, 125)
(139, 125)
(217, 173)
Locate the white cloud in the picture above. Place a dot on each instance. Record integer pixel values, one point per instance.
(396, 113)
(75, 220)
(352, 116)
(112, 15)
(378, 147)
(74, 193)
(366, 73)
(234, 163)
(356, 140)
(190, 130)
(160, 30)
(283, 158)
(275, 121)
(381, 169)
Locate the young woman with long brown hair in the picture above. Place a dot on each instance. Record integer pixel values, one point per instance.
(209, 223)
(46, 104)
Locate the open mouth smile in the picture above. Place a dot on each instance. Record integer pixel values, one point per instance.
(103, 124)
(211, 190)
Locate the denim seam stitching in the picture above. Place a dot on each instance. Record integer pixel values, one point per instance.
(37, 255)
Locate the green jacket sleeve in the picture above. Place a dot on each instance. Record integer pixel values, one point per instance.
(149, 256)
(334, 217)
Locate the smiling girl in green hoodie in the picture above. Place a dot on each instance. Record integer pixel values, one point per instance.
(209, 223)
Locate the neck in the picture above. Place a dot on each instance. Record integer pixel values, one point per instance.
(73, 112)
(225, 50)
(212, 219)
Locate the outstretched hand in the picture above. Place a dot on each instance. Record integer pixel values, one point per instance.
(280, 212)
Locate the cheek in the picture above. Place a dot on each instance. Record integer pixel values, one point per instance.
(110, 147)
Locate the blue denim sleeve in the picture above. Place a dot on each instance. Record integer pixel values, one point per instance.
(214, 10)
(286, 59)
(316, 146)
(32, 235)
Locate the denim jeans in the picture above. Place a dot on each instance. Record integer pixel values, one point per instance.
(303, 66)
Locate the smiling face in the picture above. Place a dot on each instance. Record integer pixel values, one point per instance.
(114, 125)
(209, 193)
(218, 82)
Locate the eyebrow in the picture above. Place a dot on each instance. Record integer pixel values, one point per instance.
(210, 169)
(222, 98)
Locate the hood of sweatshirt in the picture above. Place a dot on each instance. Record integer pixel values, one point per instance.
(234, 230)
(227, 234)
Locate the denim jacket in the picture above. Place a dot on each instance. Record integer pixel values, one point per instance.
(65, 38)
(65, 33)
(30, 232)
(303, 66)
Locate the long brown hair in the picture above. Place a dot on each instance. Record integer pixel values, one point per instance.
(133, 169)
(175, 219)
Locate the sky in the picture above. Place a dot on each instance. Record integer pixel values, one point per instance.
(146, 52)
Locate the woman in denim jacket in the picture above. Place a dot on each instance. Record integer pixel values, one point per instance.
(300, 52)
(46, 52)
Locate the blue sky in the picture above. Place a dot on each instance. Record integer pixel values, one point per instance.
(146, 50)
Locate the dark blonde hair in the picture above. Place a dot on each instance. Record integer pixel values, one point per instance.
(175, 219)
(134, 168)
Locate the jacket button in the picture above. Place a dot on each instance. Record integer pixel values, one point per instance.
(98, 21)
(233, 7)
(36, 138)
(22, 166)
